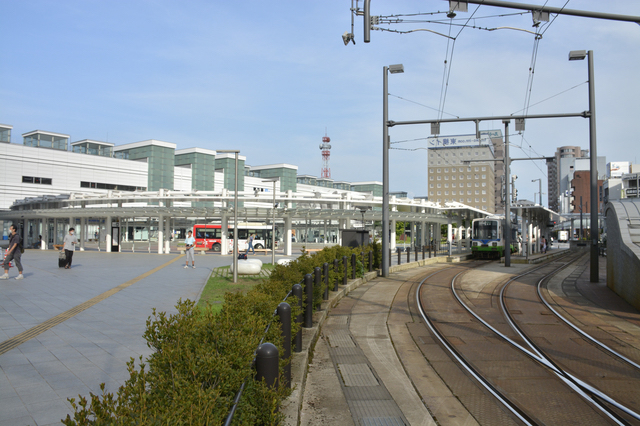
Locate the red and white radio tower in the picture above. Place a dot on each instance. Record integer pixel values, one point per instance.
(325, 147)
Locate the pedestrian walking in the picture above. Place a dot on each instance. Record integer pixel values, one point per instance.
(13, 253)
(189, 242)
(250, 242)
(69, 246)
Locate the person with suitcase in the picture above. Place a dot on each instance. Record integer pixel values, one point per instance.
(70, 241)
(14, 252)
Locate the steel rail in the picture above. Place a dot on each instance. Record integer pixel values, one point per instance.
(583, 333)
(586, 390)
(561, 374)
(512, 407)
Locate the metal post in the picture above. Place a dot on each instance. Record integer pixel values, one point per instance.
(297, 292)
(408, 254)
(507, 202)
(415, 254)
(308, 308)
(336, 269)
(325, 272)
(273, 227)
(284, 312)
(399, 259)
(267, 364)
(385, 165)
(370, 260)
(593, 165)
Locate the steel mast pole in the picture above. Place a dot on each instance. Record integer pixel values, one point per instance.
(593, 164)
(507, 202)
(385, 175)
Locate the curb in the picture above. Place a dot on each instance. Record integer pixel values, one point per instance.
(292, 406)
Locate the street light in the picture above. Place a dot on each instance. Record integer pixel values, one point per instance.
(577, 55)
(273, 220)
(393, 69)
(235, 215)
(539, 188)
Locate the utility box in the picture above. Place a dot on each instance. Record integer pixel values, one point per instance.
(354, 238)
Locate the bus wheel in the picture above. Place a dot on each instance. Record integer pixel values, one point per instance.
(216, 247)
(258, 246)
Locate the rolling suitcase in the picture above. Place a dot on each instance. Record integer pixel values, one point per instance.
(62, 259)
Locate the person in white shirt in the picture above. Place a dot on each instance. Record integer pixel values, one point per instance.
(189, 242)
(70, 241)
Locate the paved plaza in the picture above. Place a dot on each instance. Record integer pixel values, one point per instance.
(79, 349)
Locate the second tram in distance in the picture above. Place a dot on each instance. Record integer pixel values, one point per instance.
(487, 237)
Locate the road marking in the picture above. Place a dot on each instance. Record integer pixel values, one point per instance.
(16, 341)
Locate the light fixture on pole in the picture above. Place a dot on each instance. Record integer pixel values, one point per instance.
(235, 214)
(540, 188)
(393, 69)
(577, 55)
(363, 210)
(273, 219)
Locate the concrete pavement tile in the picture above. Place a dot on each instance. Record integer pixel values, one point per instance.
(12, 408)
(63, 381)
(22, 421)
(29, 395)
(31, 346)
(42, 356)
(50, 367)
(6, 391)
(13, 358)
(48, 412)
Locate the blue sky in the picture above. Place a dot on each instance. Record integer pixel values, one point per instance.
(269, 77)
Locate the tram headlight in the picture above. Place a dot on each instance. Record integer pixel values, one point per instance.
(494, 244)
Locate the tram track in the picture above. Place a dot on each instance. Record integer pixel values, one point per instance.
(602, 409)
(602, 359)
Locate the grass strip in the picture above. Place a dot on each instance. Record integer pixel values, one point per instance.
(221, 282)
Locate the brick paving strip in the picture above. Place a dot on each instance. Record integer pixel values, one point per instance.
(16, 341)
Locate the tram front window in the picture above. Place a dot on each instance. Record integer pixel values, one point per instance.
(485, 230)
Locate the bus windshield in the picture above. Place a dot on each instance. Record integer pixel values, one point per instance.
(485, 230)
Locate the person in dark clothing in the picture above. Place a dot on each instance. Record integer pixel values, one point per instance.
(13, 253)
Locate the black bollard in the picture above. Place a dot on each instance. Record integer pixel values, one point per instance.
(415, 251)
(284, 312)
(353, 266)
(430, 250)
(336, 269)
(267, 364)
(308, 308)
(345, 265)
(370, 260)
(435, 250)
(399, 259)
(408, 254)
(325, 272)
(423, 252)
(297, 292)
(390, 255)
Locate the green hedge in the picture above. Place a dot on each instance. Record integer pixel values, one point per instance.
(201, 358)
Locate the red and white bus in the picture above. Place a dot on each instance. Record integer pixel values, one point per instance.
(209, 237)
